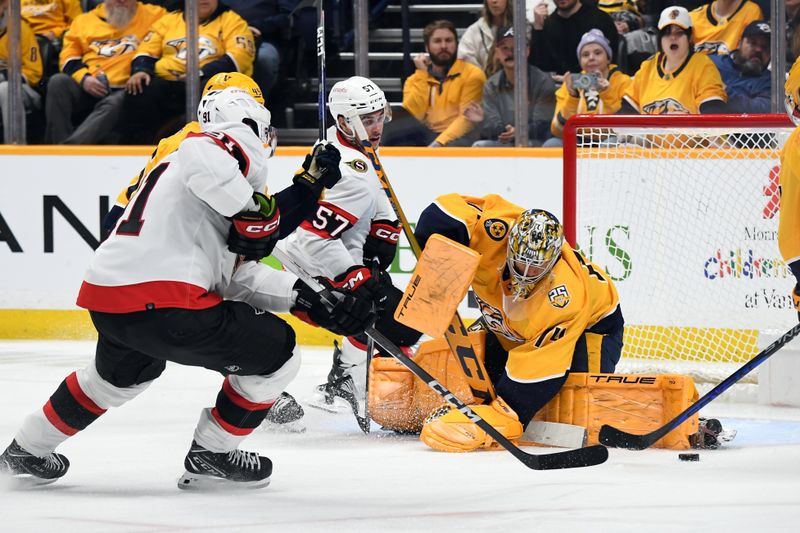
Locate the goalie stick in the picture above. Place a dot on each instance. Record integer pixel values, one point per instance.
(590, 456)
(611, 436)
(456, 335)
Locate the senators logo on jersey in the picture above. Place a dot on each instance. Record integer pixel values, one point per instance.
(358, 165)
(115, 47)
(667, 106)
(496, 228)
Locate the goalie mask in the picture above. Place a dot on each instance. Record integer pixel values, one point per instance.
(361, 103)
(223, 80)
(237, 105)
(792, 93)
(534, 246)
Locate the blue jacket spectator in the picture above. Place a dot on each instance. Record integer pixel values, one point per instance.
(744, 71)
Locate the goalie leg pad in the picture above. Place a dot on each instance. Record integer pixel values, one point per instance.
(636, 403)
(449, 430)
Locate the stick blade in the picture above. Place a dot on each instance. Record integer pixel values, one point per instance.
(616, 438)
(590, 456)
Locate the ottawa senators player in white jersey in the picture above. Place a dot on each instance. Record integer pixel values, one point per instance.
(164, 287)
(352, 238)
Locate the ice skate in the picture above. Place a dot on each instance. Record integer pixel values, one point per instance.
(28, 469)
(285, 415)
(237, 469)
(710, 434)
(329, 396)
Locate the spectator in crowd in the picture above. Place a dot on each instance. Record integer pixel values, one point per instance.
(267, 20)
(156, 90)
(31, 67)
(676, 80)
(50, 18)
(437, 94)
(640, 42)
(612, 6)
(475, 45)
(601, 96)
(792, 32)
(718, 26)
(744, 71)
(95, 65)
(556, 36)
(496, 117)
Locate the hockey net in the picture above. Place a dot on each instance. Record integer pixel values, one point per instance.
(682, 213)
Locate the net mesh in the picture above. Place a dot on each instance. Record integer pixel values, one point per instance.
(685, 222)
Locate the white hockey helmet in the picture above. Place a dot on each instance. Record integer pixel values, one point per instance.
(354, 97)
(237, 105)
(534, 246)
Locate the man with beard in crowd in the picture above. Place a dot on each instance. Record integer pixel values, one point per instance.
(744, 71)
(437, 94)
(95, 65)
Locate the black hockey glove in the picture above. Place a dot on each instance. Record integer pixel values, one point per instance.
(254, 234)
(360, 280)
(351, 315)
(381, 243)
(320, 169)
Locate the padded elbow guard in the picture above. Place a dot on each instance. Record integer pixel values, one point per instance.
(449, 430)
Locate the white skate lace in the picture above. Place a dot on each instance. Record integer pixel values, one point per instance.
(52, 462)
(248, 460)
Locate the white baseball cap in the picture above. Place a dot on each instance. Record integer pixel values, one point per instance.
(676, 15)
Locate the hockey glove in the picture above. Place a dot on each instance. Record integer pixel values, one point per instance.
(359, 280)
(381, 243)
(449, 430)
(253, 234)
(320, 169)
(350, 316)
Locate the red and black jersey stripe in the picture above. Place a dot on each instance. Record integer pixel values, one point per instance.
(69, 409)
(238, 415)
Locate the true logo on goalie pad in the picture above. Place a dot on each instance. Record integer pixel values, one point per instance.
(559, 297)
(358, 165)
(496, 228)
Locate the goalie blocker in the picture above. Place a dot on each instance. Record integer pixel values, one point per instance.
(635, 403)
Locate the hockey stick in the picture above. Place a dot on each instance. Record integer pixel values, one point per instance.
(611, 436)
(456, 335)
(321, 70)
(593, 455)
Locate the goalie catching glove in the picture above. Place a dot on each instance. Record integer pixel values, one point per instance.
(320, 169)
(350, 315)
(449, 430)
(254, 233)
(381, 243)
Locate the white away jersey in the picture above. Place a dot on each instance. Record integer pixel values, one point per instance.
(333, 240)
(169, 248)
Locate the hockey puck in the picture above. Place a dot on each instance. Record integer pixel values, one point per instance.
(689, 456)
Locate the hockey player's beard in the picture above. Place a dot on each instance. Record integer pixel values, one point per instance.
(120, 17)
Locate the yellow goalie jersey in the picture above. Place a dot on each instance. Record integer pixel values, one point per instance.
(714, 35)
(789, 223)
(539, 332)
(226, 34)
(50, 15)
(92, 44)
(655, 91)
(29, 49)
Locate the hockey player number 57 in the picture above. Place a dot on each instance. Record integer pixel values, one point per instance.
(329, 221)
(133, 224)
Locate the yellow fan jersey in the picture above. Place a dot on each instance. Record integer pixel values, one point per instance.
(714, 35)
(50, 15)
(541, 331)
(789, 222)
(92, 44)
(590, 102)
(225, 34)
(29, 48)
(165, 147)
(610, 6)
(655, 91)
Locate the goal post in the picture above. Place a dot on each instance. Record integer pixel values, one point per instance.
(682, 213)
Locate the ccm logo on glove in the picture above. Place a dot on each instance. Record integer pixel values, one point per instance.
(256, 230)
(386, 233)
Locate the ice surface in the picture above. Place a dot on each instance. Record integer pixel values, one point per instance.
(334, 478)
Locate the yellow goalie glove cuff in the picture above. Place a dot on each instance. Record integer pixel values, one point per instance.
(448, 430)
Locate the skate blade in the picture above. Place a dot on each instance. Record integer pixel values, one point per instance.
(24, 481)
(297, 426)
(337, 405)
(199, 482)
